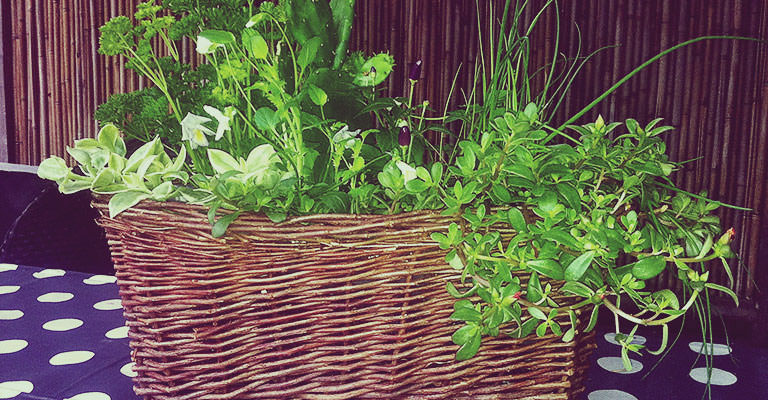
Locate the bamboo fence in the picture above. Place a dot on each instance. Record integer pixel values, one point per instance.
(714, 92)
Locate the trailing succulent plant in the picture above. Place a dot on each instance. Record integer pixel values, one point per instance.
(281, 119)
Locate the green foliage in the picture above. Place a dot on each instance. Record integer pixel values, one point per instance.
(281, 120)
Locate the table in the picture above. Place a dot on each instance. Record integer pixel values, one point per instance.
(63, 337)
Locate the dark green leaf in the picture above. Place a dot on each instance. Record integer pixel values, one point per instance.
(549, 268)
(648, 267)
(561, 237)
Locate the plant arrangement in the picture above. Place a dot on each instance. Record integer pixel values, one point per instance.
(282, 120)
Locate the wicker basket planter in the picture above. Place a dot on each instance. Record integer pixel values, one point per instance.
(318, 307)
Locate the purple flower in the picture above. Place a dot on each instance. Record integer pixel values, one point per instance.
(415, 71)
(404, 138)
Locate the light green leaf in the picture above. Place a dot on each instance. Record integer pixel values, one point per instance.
(255, 44)
(578, 267)
(125, 200)
(260, 158)
(536, 313)
(104, 178)
(140, 154)
(222, 162)
(162, 191)
(109, 137)
(53, 168)
(317, 95)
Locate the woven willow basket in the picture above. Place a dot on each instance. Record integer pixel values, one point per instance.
(317, 307)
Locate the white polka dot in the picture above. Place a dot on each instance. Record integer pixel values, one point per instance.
(105, 305)
(714, 349)
(63, 324)
(118, 333)
(90, 396)
(610, 395)
(71, 357)
(8, 315)
(9, 289)
(49, 273)
(99, 279)
(611, 338)
(55, 297)
(11, 389)
(12, 345)
(614, 364)
(719, 376)
(8, 267)
(128, 371)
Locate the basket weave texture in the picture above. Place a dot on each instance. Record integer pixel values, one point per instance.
(317, 307)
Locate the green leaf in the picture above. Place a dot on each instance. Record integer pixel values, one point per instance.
(561, 237)
(317, 95)
(222, 162)
(571, 195)
(578, 267)
(217, 37)
(125, 200)
(725, 290)
(466, 314)
(541, 330)
(568, 335)
(343, 15)
(536, 313)
(577, 288)
(264, 118)
(109, 137)
(451, 289)
(221, 225)
(53, 168)
(255, 44)
(549, 268)
(517, 220)
(470, 348)
(104, 178)
(464, 334)
(454, 260)
(592, 319)
(308, 52)
(648, 267)
(668, 296)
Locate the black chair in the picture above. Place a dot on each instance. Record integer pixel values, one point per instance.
(41, 227)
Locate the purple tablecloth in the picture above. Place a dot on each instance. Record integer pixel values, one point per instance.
(63, 337)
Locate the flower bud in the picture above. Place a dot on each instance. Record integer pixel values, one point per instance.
(727, 237)
(404, 138)
(415, 71)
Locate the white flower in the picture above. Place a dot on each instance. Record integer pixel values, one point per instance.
(346, 137)
(205, 46)
(409, 173)
(192, 129)
(222, 118)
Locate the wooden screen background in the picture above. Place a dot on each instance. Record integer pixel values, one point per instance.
(715, 92)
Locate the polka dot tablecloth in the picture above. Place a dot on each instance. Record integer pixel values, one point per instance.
(63, 337)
